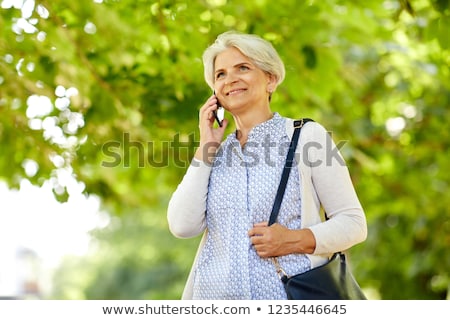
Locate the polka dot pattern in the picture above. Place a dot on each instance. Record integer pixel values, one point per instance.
(242, 188)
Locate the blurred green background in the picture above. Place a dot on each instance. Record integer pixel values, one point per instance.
(107, 93)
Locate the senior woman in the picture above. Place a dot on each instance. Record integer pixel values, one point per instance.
(228, 190)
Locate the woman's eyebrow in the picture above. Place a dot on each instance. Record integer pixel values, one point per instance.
(218, 71)
(234, 66)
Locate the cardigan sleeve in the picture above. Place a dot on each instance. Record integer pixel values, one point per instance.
(186, 213)
(334, 188)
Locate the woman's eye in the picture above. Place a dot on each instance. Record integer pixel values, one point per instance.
(244, 68)
(220, 75)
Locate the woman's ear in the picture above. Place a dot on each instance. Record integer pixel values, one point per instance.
(271, 83)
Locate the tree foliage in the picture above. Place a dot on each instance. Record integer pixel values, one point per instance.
(103, 96)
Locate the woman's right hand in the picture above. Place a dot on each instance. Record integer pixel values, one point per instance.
(210, 137)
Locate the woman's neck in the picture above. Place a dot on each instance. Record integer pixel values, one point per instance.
(246, 122)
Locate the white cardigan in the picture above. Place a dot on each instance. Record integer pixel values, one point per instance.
(325, 181)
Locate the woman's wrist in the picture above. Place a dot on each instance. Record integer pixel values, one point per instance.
(302, 241)
(206, 152)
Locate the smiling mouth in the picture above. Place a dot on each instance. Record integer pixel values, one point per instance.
(232, 92)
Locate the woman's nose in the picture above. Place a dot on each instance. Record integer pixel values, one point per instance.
(231, 78)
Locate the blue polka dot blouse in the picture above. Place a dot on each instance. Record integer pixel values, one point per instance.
(241, 192)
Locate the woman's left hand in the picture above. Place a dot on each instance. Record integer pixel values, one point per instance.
(278, 240)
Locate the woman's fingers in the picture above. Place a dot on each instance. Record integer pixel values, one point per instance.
(210, 137)
(206, 113)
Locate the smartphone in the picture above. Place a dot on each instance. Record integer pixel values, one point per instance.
(219, 112)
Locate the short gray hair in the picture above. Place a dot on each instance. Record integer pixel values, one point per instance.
(259, 51)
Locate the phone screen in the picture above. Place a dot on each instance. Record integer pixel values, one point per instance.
(219, 113)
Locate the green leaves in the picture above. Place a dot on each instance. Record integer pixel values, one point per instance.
(375, 74)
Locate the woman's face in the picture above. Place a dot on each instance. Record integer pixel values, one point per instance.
(239, 84)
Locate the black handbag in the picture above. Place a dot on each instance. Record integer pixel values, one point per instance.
(331, 281)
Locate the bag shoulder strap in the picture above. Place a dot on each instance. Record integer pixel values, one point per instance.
(298, 124)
